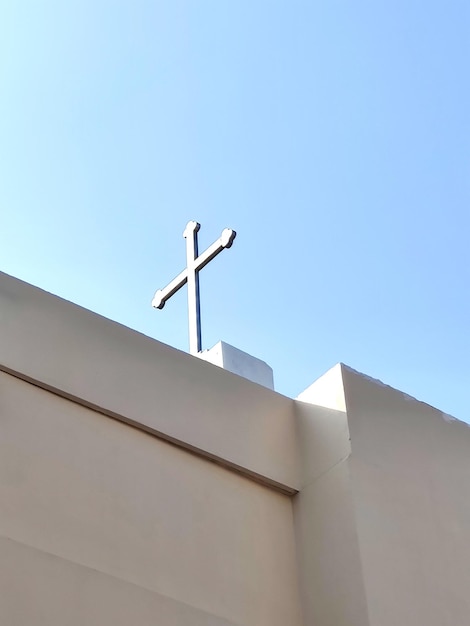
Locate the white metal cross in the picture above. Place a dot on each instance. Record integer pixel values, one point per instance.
(194, 263)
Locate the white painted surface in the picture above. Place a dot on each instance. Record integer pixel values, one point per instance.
(327, 391)
(241, 363)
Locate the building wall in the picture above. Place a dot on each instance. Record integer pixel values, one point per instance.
(382, 517)
(101, 364)
(328, 554)
(141, 485)
(101, 523)
(410, 481)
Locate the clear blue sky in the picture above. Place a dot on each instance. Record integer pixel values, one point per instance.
(333, 136)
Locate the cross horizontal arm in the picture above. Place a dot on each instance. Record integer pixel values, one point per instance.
(224, 241)
(162, 295)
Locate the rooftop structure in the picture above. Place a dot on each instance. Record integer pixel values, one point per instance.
(142, 485)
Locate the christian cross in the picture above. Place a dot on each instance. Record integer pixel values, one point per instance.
(194, 263)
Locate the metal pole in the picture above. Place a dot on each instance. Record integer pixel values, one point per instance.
(194, 309)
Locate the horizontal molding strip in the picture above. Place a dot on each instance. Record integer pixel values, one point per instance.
(258, 478)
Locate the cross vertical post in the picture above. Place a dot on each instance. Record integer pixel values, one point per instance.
(194, 305)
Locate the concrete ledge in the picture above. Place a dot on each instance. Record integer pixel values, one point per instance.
(105, 366)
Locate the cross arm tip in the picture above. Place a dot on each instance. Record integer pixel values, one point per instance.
(227, 237)
(158, 301)
(191, 227)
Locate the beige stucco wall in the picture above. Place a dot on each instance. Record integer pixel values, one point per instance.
(382, 517)
(329, 563)
(141, 485)
(410, 478)
(107, 366)
(100, 522)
